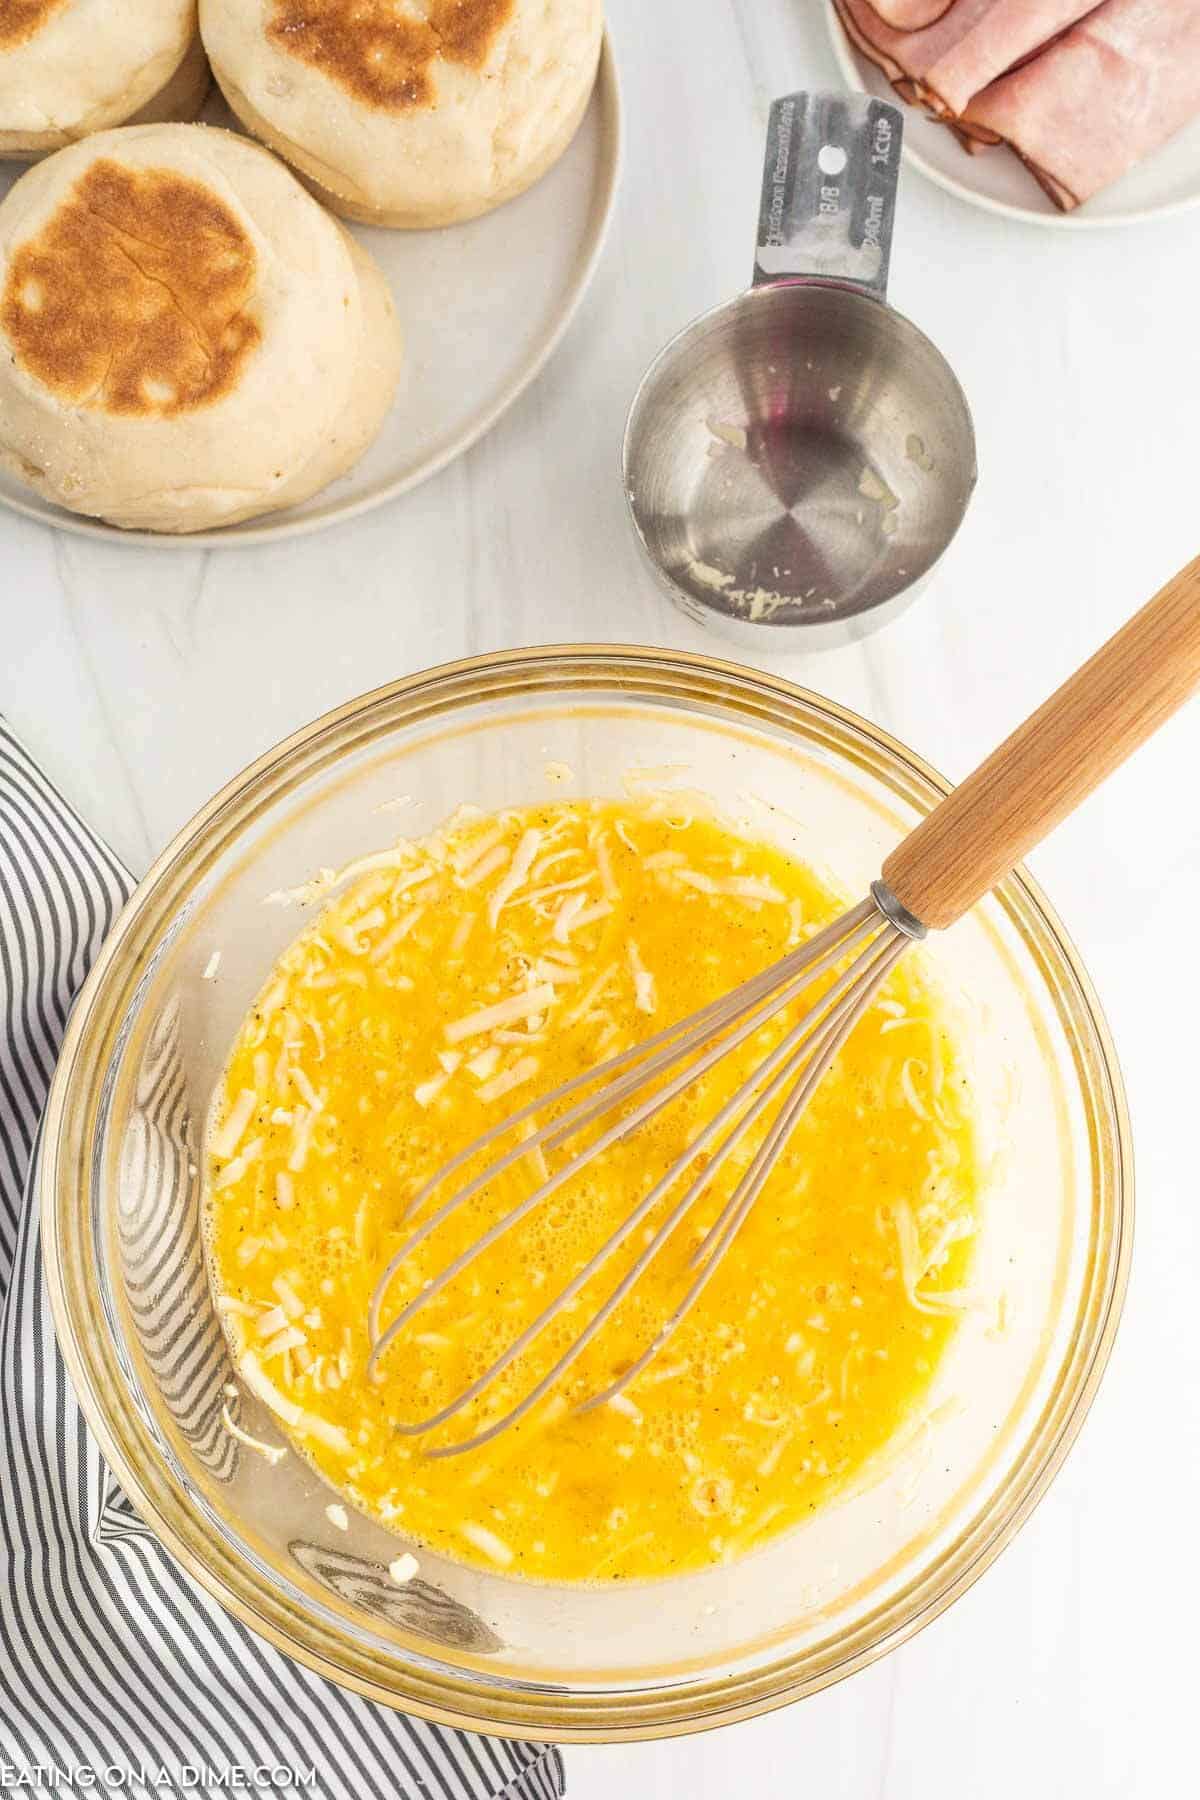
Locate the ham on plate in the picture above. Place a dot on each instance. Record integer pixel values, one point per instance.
(910, 15)
(1100, 99)
(1003, 36)
(972, 43)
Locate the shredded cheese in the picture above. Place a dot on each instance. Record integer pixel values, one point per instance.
(591, 996)
(608, 881)
(260, 1383)
(233, 1171)
(555, 973)
(908, 1086)
(913, 1268)
(485, 1541)
(399, 931)
(566, 915)
(537, 897)
(272, 1453)
(523, 1070)
(575, 913)
(591, 915)
(621, 1403)
(645, 997)
(400, 856)
(288, 1298)
(226, 1303)
(229, 1133)
(750, 887)
(301, 1138)
(517, 876)
(770, 1461)
(487, 865)
(462, 932)
(307, 1092)
(505, 1012)
(477, 850)
(332, 1436)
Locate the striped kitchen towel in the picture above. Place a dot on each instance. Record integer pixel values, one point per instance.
(112, 1661)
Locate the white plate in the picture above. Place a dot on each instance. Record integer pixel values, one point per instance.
(1166, 183)
(481, 305)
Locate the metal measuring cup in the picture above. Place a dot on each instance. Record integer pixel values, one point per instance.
(797, 460)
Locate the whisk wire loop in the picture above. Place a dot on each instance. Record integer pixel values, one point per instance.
(746, 1009)
(754, 1180)
(796, 1056)
(677, 1056)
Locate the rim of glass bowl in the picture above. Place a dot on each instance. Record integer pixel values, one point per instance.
(496, 1703)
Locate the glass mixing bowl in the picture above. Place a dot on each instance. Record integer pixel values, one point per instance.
(121, 1217)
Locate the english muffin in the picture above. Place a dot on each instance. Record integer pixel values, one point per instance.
(410, 115)
(70, 67)
(186, 337)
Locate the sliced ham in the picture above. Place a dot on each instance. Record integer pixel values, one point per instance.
(1004, 36)
(1104, 96)
(910, 15)
(969, 46)
(905, 55)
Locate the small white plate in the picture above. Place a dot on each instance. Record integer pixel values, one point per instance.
(481, 305)
(1166, 183)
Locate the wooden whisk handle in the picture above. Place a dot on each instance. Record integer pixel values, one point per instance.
(972, 839)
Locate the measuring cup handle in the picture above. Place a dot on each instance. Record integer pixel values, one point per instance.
(830, 174)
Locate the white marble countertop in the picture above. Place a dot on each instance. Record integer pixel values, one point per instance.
(139, 679)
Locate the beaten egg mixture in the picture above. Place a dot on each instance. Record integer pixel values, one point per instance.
(450, 981)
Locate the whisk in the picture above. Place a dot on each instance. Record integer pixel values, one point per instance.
(968, 843)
